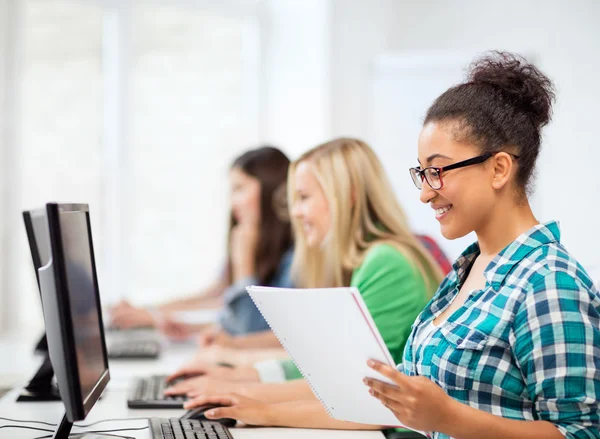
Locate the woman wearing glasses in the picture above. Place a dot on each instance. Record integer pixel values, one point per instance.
(509, 347)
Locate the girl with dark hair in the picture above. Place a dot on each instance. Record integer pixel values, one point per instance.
(509, 346)
(259, 252)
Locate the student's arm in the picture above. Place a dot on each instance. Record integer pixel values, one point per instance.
(422, 405)
(257, 340)
(264, 392)
(297, 414)
(278, 392)
(237, 357)
(264, 339)
(554, 340)
(124, 315)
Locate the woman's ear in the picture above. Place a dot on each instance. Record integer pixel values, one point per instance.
(503, 169)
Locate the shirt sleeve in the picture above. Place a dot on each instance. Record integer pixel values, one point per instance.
(239, 314)
(556, 342)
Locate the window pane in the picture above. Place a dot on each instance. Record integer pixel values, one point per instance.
(191, 87)
(60, 121)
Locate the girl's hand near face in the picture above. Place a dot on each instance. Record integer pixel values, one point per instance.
(244, 243)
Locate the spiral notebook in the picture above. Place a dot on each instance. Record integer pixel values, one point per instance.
(330, 335)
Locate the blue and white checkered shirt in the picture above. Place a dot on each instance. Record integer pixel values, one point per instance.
(527, 346)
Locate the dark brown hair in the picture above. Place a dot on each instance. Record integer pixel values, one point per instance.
(270, 167)
(503, 106)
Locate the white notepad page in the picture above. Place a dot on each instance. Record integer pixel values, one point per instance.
(330, 335)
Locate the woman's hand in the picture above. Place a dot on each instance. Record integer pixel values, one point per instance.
(217, 354)
(417, 402)
(244, 242)
(246, 410)
(216, 336)
(175, 329)
(125, 316)
(203, 385)
(242, 373)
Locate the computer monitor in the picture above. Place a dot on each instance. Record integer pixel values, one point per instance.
(40, 388)
(72, 313)
(36, 227)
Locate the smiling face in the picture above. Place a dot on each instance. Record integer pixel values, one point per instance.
(468, 196)
(310, 206)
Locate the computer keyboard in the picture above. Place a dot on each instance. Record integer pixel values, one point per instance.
(149, 393)
(174, 428)
(132, 349)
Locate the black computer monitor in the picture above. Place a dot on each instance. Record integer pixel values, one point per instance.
(72, 313)
(40, 388)
(36, 227)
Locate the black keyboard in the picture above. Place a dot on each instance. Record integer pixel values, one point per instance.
(174, 428)
(133, 349)
(148, 393)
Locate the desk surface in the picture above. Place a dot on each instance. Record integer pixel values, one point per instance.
(113, 404)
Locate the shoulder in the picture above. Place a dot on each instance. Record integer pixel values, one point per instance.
(384, 255)
(387, 275)
(384, 261)
(282, 277)
(286, 258)
(553, 283)
(551, 266)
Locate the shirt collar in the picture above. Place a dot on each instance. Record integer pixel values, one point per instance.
(511, 255)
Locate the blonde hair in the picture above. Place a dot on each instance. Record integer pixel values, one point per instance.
(364, 213)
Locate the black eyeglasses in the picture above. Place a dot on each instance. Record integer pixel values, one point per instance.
(433, 174)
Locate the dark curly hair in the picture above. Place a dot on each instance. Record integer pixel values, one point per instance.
(503, 106)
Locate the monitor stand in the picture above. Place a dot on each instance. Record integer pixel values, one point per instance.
(63, 431)
(41, 388)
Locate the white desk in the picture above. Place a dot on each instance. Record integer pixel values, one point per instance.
(17, 365)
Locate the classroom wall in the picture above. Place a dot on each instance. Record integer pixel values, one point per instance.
(312, 81)
(562, 37)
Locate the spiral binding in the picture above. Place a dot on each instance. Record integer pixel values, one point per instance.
(306, 376)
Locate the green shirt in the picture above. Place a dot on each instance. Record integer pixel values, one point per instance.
(394, 292)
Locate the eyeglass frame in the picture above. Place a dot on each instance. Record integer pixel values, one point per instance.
(472, 161)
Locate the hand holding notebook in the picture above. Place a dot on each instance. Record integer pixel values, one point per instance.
(330, 335)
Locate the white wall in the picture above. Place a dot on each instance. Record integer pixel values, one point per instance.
(317, 64)
(200, 81)
(296, 76)
(9, 215)
(564, 38)
(3, 150)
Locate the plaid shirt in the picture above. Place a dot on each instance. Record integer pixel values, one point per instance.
(527, 346)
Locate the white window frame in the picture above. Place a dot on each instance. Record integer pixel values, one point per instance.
(116, 170)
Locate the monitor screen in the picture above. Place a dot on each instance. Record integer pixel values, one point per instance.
(39, 224)
(38, 235)
(85, 310)
(72, 311)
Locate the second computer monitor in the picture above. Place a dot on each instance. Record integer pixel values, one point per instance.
(72, 312)
(36, 226)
